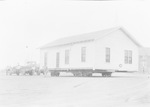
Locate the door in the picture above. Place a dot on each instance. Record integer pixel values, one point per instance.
(57, 60)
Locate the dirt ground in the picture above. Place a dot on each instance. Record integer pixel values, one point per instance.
(120, 90)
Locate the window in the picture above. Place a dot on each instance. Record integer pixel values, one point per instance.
(128, 57)
(66, 56)
(108, 55)
(83, 54)
(45, 59)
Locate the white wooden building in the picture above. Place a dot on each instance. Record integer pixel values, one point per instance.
(109, 49)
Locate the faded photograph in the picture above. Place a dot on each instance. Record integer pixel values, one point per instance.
(74, 53)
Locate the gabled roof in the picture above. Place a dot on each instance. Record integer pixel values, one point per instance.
(87, 37)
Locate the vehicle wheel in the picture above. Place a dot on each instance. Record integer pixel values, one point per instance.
(102, 75)
(89, 75)
(57, 74)
(31, 73)
(17, 72)
(84, 74)
(52, 74)
(74, 74)
(79, 74)
(109, 75)
(38, 73)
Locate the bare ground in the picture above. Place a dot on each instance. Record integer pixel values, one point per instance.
(120, 90)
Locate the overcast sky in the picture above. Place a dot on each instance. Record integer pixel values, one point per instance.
(26, 25)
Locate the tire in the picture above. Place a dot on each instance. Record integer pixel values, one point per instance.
(52, 74)
(17, 72)
(102, 74)
(89, 75)
(74, 74)
(57, 74)
(79, 74)
(84, 74)
(30, 73)
(38, 73)
(109, 75)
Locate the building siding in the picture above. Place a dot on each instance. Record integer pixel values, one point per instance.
(118, 42)
(74, 56)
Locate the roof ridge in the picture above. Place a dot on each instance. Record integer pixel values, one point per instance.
(117, 27)
(84, 37)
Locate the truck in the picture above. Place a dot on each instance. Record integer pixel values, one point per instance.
(30, 68)
(12, 70)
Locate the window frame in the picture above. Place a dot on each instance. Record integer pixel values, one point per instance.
(128, 57)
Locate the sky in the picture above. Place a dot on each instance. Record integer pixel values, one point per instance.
(25, 25)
